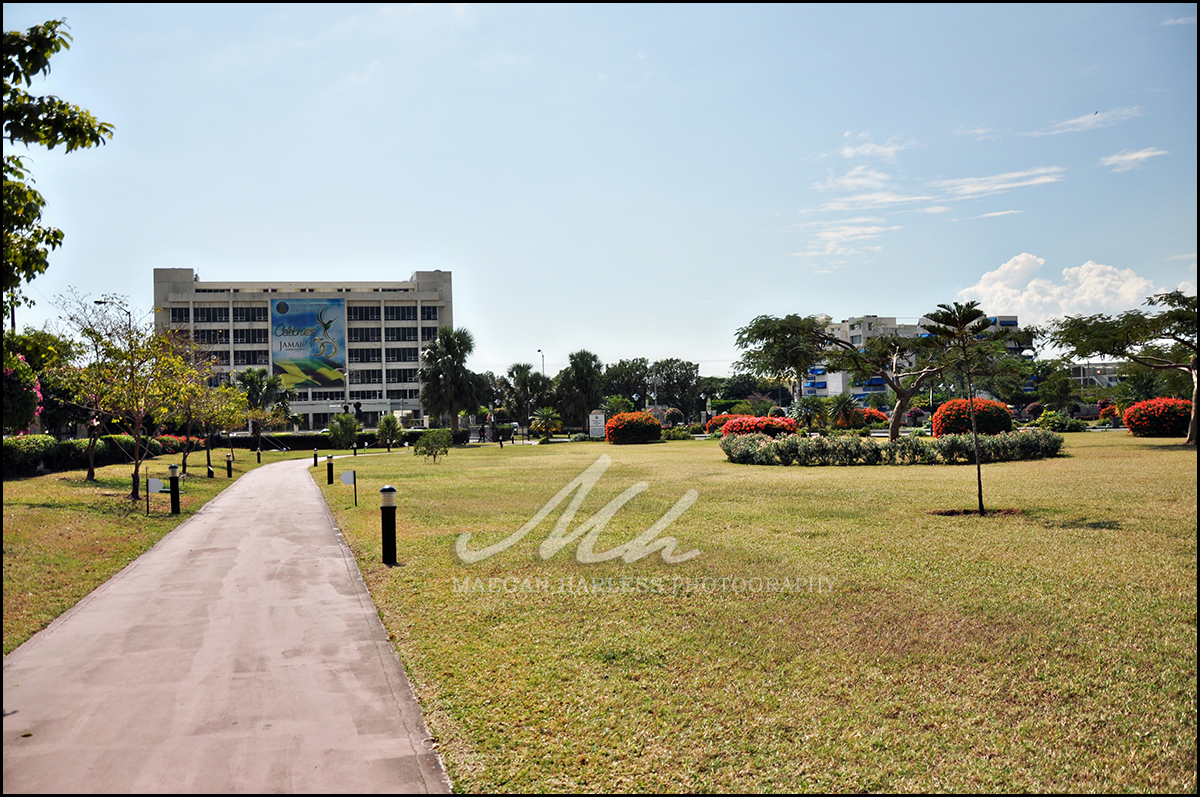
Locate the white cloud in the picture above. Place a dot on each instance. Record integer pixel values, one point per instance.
(1124, 161)
(870, 149)
(998, 183)
(1092, 121)
(1181, 21)
(857, 179)
(937, 209)
(999, 213)
(832, 237)
(875, 199)
(1085, 290)
(1188, 287)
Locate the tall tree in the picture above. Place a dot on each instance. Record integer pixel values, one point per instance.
(903, 364)
(626, 377)
(268, 401)
(678, 383)
(46, 121)
(781, 348)
(1164, 341)
(447, 387)
(966, 349)
(580, 385)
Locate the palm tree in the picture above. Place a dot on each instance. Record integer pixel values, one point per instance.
(268, 401)
(965, 349)
(811, 411)
(447, 387)
(546, 421)
(842, 410)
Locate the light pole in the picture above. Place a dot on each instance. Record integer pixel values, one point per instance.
(543, 363)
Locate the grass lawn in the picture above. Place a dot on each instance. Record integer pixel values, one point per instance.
(830, 635)
(65, 536)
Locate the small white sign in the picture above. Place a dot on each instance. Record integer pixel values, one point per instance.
(596, 425)
(154, 485)
(348, 477)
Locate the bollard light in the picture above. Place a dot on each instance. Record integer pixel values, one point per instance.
(229, 465)
(174, 471)
(314, 457)
(387, 511)
(329, 468)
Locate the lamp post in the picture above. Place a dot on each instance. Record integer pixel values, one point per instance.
(543, 362)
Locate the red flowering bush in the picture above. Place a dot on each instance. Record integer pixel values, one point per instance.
(1108, 412)
(632, 427)
(954, 417)
(864, 417)
(715, 424)
(1160, 417)
(771, 427)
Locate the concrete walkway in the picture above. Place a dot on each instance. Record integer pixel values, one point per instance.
(241, 654)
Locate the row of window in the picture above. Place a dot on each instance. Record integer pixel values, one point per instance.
(220, 315)
(406, 355)
(375, 377)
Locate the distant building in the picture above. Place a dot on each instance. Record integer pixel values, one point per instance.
(861, 328)
(336, 343)
(1099, 374)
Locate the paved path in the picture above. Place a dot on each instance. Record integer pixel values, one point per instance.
(241, 654)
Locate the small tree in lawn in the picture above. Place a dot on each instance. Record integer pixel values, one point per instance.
(1165, 341)
(546, 421)
(966, 349)
(433, 443)
(389, 432)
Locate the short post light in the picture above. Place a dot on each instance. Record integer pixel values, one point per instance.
(174, 471)
(229, 465)
(329, 468)
(387, 511)
(259, 452)
(314, 457)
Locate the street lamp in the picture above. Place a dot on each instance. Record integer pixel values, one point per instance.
(543, 362)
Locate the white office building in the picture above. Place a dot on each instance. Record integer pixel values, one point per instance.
(337, 344)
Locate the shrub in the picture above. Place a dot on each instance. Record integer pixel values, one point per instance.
(676, 434)
(1160, 417)
(1055, 421)
(772, 427)
(1109, 412)
(23, 453)
(776, 412)
(579, 438)
(715, 424)
(749, 449)
(864, 417)
(432, 443)
(954, 417)
(673, 416)
(1035, 409)
(632, 428)
(697, 428)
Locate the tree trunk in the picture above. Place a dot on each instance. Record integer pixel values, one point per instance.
(975, 438)
(1191, 438)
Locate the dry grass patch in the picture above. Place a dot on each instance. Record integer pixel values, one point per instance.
(1049, 650)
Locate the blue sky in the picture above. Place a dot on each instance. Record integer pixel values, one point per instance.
(637, 181)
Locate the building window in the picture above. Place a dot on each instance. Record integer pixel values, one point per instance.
(328, 395)
(253, 357)
(396, 334)
(211, 315)
(251, 313)
(362, 313)
(429, 333)
(365, 355)
(180, 315)
(211, 337)
(249, 335)
(406, 312)
(402, 355)
(429, 313)
(366, 377)
(856, 338)
(361, 395)
(320, 420)
(362, 335)
(404, 394)
(401, 375)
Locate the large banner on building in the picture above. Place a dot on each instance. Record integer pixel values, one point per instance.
(308, 342)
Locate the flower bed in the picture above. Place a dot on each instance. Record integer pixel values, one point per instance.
(715, 424)
(759, 449)
(632, 427)
(864, 417)
(771, 427)
(954, 417)
(1160, 417)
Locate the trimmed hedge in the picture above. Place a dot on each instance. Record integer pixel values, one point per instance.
(759, 449)
(1055, 421)
(954, 417)
(632, 427)
(1160, 417)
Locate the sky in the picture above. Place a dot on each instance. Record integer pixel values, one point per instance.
(637, 181)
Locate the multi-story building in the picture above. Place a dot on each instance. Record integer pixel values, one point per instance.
(861, 328)
(337, 344)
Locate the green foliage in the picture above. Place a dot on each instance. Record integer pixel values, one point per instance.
(433, 443)
(447, 386)
(579, 386)
(1055, 421)
(780, 348)
(343, 431)
(46, 121)
(22, 394)
(954, 417)
(847, 450)
(389, 432)
(546, 421)
(615, 405)
(676, 433)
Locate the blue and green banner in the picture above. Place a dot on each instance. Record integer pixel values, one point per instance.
(308, 342)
